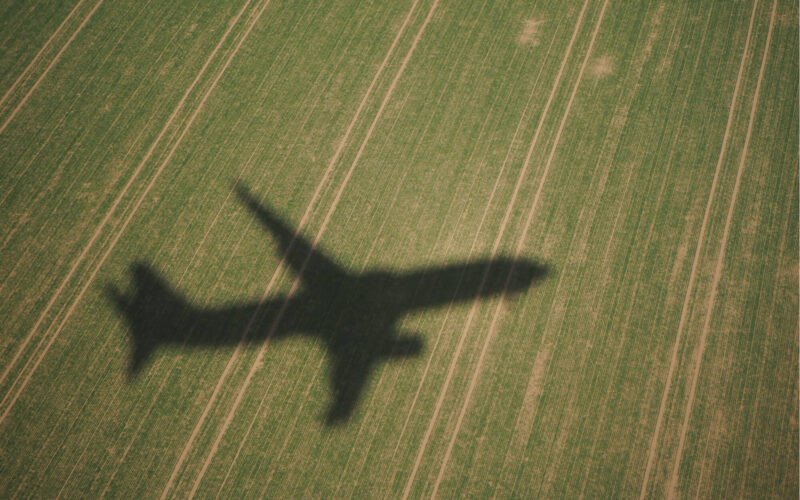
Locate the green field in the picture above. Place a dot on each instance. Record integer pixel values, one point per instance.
(639, 159)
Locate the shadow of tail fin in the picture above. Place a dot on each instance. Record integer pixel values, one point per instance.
(151, 310)
(141, 344)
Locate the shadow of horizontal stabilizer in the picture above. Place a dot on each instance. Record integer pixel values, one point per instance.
(354, 316)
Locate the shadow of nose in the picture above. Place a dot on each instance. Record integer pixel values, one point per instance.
(525, 273)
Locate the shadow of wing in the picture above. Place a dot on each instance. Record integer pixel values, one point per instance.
(314, 268)
(348, 376)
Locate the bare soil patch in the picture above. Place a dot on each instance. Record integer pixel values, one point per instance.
(530, 32)
(602, 66)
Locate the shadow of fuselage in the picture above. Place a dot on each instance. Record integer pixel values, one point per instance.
(355, 316)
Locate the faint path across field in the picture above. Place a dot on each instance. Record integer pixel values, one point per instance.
(49, 66)
(695, 263)
(709, 305)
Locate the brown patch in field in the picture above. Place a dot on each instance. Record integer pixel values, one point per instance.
(787, 17)
(672, 46)
(717, 432)
(654, 32)
(527, 413)
(791, 272)
(536, 383)
(751, 223)
(558, 449)
(602, 67)
(530, 32)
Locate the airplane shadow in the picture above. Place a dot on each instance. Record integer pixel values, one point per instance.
(354, 316)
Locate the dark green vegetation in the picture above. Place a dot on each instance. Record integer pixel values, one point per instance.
(646, 153)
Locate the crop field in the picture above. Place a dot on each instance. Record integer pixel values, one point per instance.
(261, 248)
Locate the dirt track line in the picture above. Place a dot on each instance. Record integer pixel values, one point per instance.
(291, 465)
(380, 382)
(704, 464)
(49, 67)
(163, 383)
(263, 92)
(293, 425)
(498, 238)
(307, 116)
(473, 246)
(695, 263)
(369, 253)
(568, 417)
(93, 238)
(526, 415)
(257, 362)
(38, 54)
(428, 260)
(520, 245)
(555, 316)
(164, 379)
(673, 483)
(447, 244)
(398, 113)
(198, 248)
(771, 323)
(187, 125)
(10, 187)
(305, 120)
(281, 266)
(451, 303)
(65, 435)
(316, 369)
(128, 218)
(150, 406)
(43, 339)
(42, 232)
(116, 395)
(648, 239)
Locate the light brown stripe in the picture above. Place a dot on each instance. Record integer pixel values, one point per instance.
(673, 483)
(695, 264)
(48, 68)
(462, 338)
(105, 220)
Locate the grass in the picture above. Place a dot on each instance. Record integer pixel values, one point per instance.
(567, 388)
